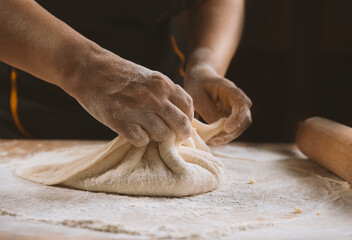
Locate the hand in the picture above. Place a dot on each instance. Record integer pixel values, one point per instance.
(138, 103)
(216, 97)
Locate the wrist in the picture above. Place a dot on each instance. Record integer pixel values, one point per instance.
(199, 57)
(200, 61)
(84, 61)
(69, 59)
(207, 57)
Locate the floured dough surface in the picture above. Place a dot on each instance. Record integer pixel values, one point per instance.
(284, 181)
(169, 168)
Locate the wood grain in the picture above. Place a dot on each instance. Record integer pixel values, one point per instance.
(328, 143)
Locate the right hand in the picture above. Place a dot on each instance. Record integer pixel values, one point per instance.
(137, 103)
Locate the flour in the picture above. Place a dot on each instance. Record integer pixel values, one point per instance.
(284, 181)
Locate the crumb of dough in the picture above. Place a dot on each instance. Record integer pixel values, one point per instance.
(298, 211)
(251, 181)
(318, 213)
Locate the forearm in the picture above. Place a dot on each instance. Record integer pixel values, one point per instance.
(213, 33)
(35, 41)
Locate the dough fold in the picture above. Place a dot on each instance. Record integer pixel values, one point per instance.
(169, 168)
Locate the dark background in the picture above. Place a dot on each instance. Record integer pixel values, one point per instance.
(294, 61)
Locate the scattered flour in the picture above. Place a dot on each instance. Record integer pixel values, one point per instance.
(284, 181)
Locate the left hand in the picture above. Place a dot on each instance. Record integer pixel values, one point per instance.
(215, 97)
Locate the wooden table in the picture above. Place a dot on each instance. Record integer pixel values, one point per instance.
(12, 228)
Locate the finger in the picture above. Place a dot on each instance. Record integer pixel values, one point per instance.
(237, 93)
(154, 126)
(207, 109)
(225, 137)
(183, 101)
(176, 120)
(134, 134)
(151, 123)
(239, 115)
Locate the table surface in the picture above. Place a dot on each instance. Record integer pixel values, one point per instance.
(13, 228)
(10, 227)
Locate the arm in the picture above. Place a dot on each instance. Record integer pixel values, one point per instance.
(213, 33)
(136, 102)
(35, 41)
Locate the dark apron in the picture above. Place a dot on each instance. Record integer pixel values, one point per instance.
(137, 30)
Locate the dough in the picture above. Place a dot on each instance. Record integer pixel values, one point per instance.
(169, 168)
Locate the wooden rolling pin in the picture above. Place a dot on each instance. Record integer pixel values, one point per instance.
(328, 143)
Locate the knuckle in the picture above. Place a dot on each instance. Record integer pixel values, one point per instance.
(249, 120)
(178, 88)
(177, 120)
(183, 122)
(160, 134)
(189, 100)
(155, 127)
(228, 83)
(184, 125)
(180, 92)
(158, 82)
(136, 136)
(249, 101)
(158, 79)
(249, 116)
(156, 74)
(184, 96)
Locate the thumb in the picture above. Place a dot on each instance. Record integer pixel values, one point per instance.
(206, 108)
